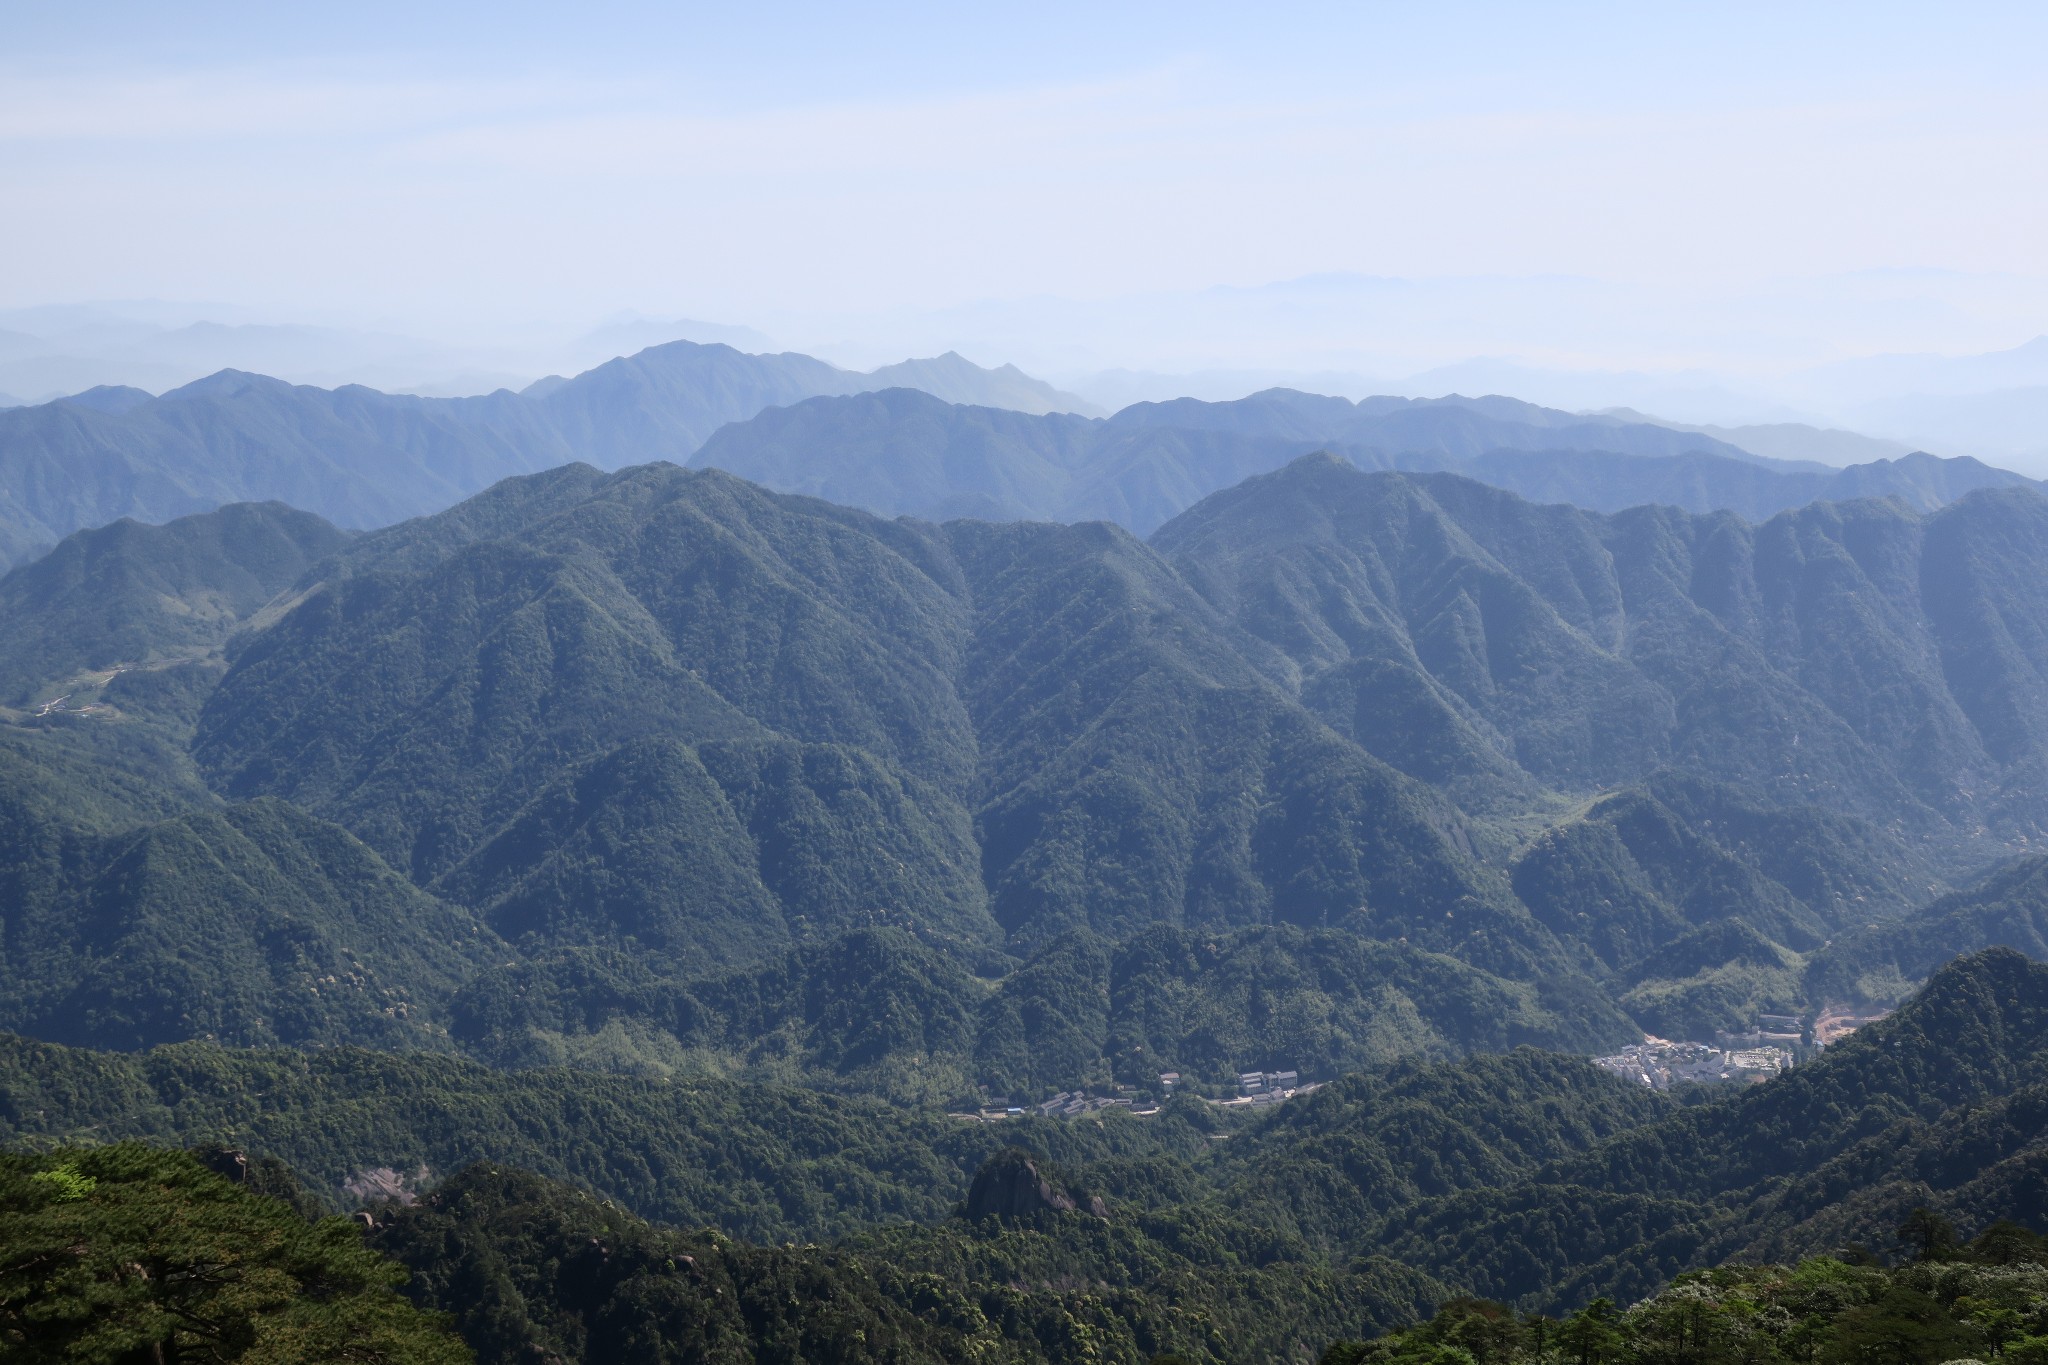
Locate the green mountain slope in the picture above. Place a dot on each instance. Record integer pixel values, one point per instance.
(1982, 1300)
(1525, 1177)
(1878, 961)
(875, 1011)
(667, 712)
(129, 594)
(680, 711)
(530, 1266)
(1830, 656)
(1697, 900)
(1334, 1163)
(1934, 1105)
(1139, 768)
(762, 1161)
(254, 925)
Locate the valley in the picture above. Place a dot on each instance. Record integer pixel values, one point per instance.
(1276, 918)
(989, 685)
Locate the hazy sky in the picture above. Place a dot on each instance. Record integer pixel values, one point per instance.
(820, 170)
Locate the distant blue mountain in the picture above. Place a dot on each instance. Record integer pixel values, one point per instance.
(947, 438)
(363, 458)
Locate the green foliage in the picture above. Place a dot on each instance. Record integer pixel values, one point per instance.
(1644, 868)
(127, 1252)
(253, 924)
(876, 1011)
(1530, 1179)
(2007, 909)
(1338, 1161)
(668, 721)
(133, 595)
(1943, 1104)
(529, 1266)
(1987, 1302)
(531, 1269)
(762, 1161)
(1596, 651)
(671, 713)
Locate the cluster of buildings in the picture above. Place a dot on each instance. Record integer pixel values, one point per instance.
(1786, 1031)
(1768, 1046)
(1067, 1104)
(1260, 1088)
(1659, 1064)
(1071, 1104)
(1252, 1083)
(1254, 1088)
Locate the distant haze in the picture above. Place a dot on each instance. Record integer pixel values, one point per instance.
(1719, 215)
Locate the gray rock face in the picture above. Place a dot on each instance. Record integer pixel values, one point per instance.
(1010, 1185)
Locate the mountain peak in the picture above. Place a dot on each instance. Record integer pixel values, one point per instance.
(110, 398)
(228, 384)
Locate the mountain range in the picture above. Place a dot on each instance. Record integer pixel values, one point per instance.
(361, 458)
(900, 453)
(682, 841)
(934, 438)
(669, 753)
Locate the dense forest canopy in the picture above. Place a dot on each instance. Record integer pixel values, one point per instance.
(693, 921)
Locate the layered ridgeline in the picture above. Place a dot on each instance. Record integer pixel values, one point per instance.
(901, 452)
(659, 771)
(362, 458)
(934, 438)
(1534, 1180)
(689, 777)
(1859, 657)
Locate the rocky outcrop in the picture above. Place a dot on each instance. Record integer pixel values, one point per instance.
(1010, 1185)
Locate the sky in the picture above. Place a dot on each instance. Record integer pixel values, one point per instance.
(1738, 190)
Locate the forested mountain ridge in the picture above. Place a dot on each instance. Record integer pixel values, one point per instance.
(2008, 907)
(1000, 686)
(1532, 1179)
(1845, 687)
(135, 595)
(876, 1012)
(653, 845)
(1858, 656)
(256, 924)
(361, 458)
(692, 752)
(1938, 1105)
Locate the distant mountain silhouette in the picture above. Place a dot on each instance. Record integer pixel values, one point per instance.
(958, 380)
(361, 458)
(906, 453)
(956, 440)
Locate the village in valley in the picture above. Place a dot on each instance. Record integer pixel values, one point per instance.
(1255, 1090)
(1774, 1043)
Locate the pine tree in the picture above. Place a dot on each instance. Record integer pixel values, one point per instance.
(130, 1253)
